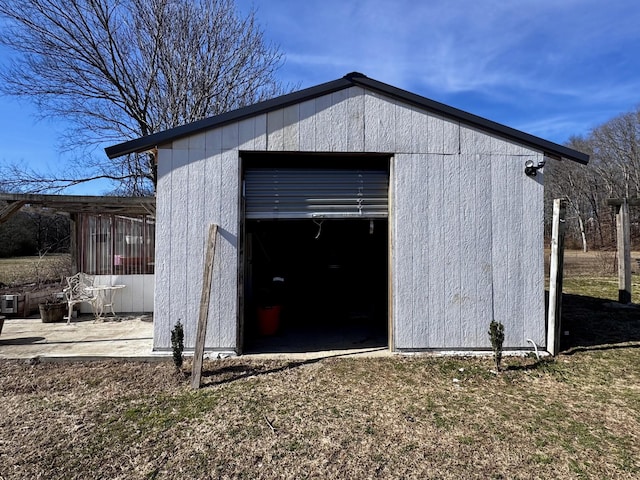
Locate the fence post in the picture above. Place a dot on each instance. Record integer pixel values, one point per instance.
(623, 233)
(555, 277)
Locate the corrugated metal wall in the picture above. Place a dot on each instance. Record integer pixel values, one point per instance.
(272, 193)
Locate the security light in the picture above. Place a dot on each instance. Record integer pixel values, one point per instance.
(531, 170)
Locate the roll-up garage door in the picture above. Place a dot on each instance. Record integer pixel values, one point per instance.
(315, 193)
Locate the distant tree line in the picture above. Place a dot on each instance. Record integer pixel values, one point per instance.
(613, 172)
(34, 231)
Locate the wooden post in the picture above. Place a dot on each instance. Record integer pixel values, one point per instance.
(555, 277)
(201, 333)
(73, 242)
(623, 234)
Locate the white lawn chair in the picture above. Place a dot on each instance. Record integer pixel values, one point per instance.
(79, 291)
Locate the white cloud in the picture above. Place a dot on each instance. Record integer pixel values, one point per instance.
(454, 46)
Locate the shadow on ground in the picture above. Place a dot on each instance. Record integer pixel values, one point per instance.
(21, 341)
(597, 324)
(214, 374)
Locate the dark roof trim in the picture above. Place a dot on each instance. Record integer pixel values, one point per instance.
(151, 141)
(352, 79)
(550, 148)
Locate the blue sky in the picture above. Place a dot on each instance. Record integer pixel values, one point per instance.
(552, 68)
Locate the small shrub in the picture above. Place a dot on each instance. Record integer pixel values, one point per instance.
(496, 334)
(177, 344)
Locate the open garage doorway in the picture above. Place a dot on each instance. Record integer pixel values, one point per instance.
(316, 245)
(316, 285)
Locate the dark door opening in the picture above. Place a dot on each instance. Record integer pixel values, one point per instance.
(328, 277)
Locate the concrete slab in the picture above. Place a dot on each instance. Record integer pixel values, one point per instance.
(321, 354)
(122, 337)
(130, 337)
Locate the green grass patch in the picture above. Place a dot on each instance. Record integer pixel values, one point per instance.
(599, 287)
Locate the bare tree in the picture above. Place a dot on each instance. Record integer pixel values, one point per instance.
(121, 69)
(571, 182)
(613, 171)
(616, 146)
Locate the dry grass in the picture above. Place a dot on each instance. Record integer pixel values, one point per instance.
(578, 417)
(600, 263)
(415, 417)
(34, 270)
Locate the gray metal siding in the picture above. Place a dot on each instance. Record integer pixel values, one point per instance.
(196, 187)
(473, 252)
(466, 223)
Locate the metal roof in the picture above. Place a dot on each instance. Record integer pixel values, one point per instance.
(352, 79)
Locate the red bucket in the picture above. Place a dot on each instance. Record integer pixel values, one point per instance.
(269, 319)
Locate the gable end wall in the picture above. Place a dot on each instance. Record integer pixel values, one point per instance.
(464, 217)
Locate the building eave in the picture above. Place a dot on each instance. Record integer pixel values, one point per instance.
(151, 141)
(549, 148)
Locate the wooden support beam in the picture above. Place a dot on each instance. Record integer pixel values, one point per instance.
(83, 203)
(201, 333)
(555, 277)
(11, 208)
(623, 233)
